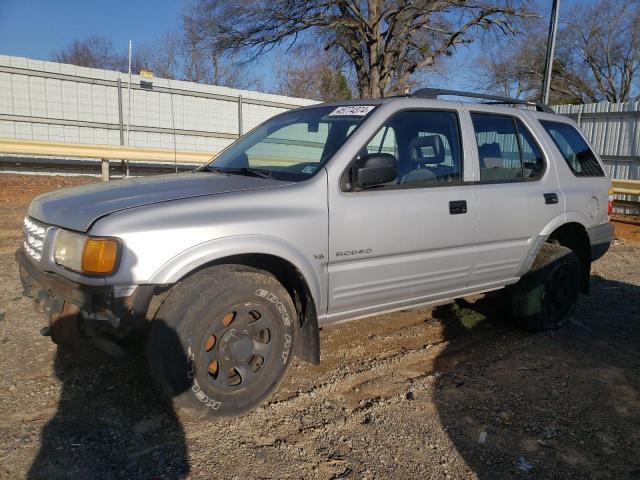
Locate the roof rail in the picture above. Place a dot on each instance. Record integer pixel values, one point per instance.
(437, 92)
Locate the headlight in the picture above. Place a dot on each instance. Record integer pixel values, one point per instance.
(85, 254)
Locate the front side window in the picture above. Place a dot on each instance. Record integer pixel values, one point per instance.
(383, 142)
(576, 152)
(507, 151)
(426, 145)
(293, 145)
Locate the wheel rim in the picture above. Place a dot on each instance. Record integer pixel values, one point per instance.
(238, 347)
(558, 296)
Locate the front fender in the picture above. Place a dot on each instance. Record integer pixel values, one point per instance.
(210, 251)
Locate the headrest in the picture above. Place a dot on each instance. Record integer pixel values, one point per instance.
(427, 150)
(490, 150)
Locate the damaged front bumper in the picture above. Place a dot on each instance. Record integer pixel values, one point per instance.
(77, 312)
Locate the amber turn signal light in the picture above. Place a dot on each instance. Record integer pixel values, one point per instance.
(100, 255)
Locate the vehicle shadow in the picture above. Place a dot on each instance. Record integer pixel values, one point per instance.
(110, 422)
(561, 404)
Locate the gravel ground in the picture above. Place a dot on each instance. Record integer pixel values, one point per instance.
(453, 393)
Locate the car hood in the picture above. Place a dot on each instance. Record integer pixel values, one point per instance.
(77, 208)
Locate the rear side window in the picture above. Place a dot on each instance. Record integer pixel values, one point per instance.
(506, 150)
(576, 152)
(532, 160)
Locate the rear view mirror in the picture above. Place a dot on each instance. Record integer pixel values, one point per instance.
(374, 170)
(313, 127)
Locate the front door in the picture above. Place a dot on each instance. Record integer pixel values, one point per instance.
(409, 241)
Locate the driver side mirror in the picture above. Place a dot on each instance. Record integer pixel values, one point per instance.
(375, 170)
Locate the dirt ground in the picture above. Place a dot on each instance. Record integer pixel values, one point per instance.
(627, 227)
(453, 393)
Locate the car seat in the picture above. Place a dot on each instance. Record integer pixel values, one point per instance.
(426, 157)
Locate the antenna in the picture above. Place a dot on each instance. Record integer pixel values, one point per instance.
(129, 110)
(173, 126)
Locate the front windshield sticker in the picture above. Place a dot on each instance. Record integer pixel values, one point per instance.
(308, 169)
(357, 110)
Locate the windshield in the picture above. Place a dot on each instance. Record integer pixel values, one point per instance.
(293, 145)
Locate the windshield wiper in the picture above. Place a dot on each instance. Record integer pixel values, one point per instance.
(248, 171)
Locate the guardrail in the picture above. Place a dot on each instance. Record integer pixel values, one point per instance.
(161, 155)
(625, 187)
(105, 153)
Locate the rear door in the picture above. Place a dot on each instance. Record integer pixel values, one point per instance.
(584, 183)
(518, 193)
(412, 240)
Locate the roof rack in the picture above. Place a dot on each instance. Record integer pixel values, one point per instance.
(497, 100)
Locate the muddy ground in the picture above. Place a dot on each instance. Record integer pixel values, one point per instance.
(455, 393)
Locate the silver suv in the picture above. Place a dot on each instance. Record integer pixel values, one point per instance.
(320, 215)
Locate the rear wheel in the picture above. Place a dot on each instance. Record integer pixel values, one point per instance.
(222, 341)
(544, 298)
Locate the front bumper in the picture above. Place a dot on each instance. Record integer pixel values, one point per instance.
(34, 281)
(76, 311)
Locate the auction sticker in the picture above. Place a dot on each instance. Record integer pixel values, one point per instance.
(357, 110)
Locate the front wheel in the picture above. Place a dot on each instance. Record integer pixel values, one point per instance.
(544, 297)
(222, 341)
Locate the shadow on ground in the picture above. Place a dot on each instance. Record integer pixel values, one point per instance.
(558, 405)
(110, 423)
(516, 414)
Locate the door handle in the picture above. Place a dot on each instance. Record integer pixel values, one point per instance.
(457, 207)
(550, 198)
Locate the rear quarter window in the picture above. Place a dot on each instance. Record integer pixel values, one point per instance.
(575, 151)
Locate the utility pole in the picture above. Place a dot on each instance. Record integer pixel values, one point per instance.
(129, 111)
(129, 97)
(551, 44)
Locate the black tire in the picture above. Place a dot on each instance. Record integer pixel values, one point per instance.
(544, 298)
(222, 341)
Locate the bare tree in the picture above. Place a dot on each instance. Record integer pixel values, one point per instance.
(93, 52)
(385, 41)
(516, 69)
(311, 74)
(98, 52)
(204, 63)
(178, 55)
(606, 39)
(163, 57)
(597, 57)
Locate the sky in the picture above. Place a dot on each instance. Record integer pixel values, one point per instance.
(38, 28)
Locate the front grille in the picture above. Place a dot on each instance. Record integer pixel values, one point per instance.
(33, 238)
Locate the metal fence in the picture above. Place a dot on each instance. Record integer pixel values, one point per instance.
(58, 102)
(614, 131)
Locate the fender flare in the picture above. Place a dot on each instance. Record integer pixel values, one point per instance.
(549, 228)
(188, 260)
(563, 218)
